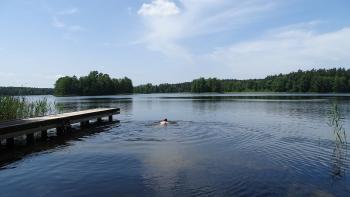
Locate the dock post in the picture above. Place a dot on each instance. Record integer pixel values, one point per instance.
(84, 123)
(59, 131)
(68, 128)
(99, 119)
(10, 142)
(110, 118)
(43, 134)
(30, 138)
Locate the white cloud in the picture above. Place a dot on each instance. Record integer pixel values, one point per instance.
(75, 28)
(130, 10)
(159, 8)
(68, 29)
(197, 18)
(285, 50)
(57, 23)
(68, 11)
(58, 76)
(107, 44)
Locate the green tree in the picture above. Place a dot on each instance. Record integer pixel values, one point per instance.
(94, 83)
(340, 84)
(67, 86)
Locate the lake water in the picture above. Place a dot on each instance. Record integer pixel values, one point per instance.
(216, 145)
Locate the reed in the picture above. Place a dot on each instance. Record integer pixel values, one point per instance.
(12, 108)
(335, 121)
(339, 156)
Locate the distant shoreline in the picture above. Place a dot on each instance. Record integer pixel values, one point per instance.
(335, 80)
(206, 94)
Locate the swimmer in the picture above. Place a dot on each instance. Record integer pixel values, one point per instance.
(164, 122)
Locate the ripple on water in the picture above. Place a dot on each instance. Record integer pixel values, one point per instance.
(189, 157)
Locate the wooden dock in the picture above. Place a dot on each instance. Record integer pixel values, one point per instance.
(61, 122)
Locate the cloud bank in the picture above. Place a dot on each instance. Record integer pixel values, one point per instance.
(283, 49)
(196, 18)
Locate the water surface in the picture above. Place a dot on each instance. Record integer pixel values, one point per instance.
(216, 145)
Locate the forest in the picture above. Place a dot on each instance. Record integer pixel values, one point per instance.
(93, 84)
(16, 91)
(320, 81)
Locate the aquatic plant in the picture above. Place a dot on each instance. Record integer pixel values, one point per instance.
(335, 122)
(12, 107)
(339, 155)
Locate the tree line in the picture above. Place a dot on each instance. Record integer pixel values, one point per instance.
(163, 88)
(93, 84)
(322, 81)
(21, 91)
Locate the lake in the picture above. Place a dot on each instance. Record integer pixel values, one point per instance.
(216, 145)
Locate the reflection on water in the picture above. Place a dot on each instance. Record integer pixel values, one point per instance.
(10, 155)
(338, 162)
(339, 155)
(67, 104)
(219, 145)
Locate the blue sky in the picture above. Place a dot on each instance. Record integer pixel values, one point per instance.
(170, 41)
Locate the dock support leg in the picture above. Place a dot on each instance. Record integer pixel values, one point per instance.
(84, 124)
(99, 119)
(59, 131)
(30, 138)
(110, 118)
(10, 142)
(68, 128)
(43, 134)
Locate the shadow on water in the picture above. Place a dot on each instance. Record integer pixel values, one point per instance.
(10, 155)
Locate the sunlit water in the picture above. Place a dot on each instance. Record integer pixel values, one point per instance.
(216, 145)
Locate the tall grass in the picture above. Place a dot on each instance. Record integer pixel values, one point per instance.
(12, 107)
